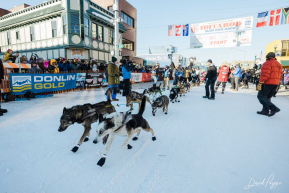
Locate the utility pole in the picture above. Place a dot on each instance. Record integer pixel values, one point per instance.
(116, 28)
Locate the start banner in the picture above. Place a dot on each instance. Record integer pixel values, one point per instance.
(38, 83)
(239, 24)
(137, 77)
(218, 40)
(146, 77)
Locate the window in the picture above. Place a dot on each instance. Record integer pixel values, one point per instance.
(285, 48)
(86, 26)
(54, 29)
(94, 31)
(75, 23)
(127, 19)
(110, 36)
(64, 24)
(17, 35)
(110, 9)
(8, 38)
(32, 36)
(100, 33)
(128, 44)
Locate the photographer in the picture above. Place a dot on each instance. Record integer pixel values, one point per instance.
(127, 67)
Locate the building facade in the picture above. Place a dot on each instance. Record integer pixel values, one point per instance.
(281, 49)
(168, 49)
(129, 15)
(60, 28)
(245, 65)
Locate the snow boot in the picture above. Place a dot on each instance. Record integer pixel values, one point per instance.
(210, 98)
(205, 97)
(263, 112)
(274, 111)
(1, 114)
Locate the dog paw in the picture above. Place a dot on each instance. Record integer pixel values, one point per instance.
(101, 161)
(75, 149)
(179, 101)
(129, 146)
(86, 139)
(173, 102)
(166, 113)
(154, 138)
(135, 138)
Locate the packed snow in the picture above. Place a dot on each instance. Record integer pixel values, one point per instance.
(202, 146)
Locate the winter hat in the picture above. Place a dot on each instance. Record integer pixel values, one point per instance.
(210, 61)
(113, 59)
(270, 55)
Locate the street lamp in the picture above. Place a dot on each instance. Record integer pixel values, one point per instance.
(275, 47)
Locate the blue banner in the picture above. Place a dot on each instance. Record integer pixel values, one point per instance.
(186, 30)
(39, 83)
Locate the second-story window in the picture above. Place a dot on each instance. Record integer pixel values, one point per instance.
(86, 26)
(64, 24)
(94, 31)
(75, 23)
(127, 19)
(17, 35)
(100, 33)
(8, 38)
(32, 36)
(54, 29)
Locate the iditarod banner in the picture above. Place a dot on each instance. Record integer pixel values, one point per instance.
(245, 23)
(221, 40)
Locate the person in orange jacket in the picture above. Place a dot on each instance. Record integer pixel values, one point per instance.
(224, 72)
(271, 75)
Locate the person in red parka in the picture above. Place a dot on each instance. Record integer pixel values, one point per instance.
(271, 75)
(224, 72)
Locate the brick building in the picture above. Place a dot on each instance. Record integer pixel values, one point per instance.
(129, 14)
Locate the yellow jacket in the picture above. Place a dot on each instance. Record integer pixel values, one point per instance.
(7, 56)
(54, 70)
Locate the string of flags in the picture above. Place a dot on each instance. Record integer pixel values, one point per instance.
(279, 16)
(276, 17)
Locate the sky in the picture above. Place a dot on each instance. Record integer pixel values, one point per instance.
(154, 16)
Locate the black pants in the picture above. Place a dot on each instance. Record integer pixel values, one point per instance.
(176, 81)
(232, 83)
(265, 96)
(126, 88)
(223, 85)
(245, 81)
(211, 84)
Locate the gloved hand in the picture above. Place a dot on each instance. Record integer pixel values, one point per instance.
(259, 86)
(116, 75)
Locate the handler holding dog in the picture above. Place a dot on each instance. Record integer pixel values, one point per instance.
(113, 78)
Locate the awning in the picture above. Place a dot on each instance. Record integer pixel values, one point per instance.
(285, 62)
(16, 65)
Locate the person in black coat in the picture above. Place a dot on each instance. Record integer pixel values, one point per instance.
(211, 79)
(1, 77)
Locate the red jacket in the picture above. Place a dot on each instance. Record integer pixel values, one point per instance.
(223, 73)
(271, 72)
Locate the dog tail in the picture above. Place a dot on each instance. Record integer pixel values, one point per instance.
(109, 93)
(160, 84)
(143, 105)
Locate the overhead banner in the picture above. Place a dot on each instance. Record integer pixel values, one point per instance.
(218, 40)
(178, 30)
(239, 24)
(186, 30)
(38, 83)
(137, 77)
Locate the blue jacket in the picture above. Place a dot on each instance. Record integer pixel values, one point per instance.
(63, 67)
(238, 72)
(177, 73)
(167, 72)
(126, 72)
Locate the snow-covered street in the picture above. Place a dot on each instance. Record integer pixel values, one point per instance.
(202, 146)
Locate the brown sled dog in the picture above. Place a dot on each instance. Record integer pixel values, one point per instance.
(135, 97)
(182, 88)
(86, 115)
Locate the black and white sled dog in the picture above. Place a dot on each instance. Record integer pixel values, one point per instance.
(86, 115)
(161, 102)
(122, 124)
(174, 94)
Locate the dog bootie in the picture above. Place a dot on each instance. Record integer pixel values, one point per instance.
(75, 148)
(86, 139)
(101, 161)
(129, 146)
(154, 138)
(135, 138)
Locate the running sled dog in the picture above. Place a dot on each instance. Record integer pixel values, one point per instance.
(122, 124)
(135, 97)
(86, 115)
(161, 102)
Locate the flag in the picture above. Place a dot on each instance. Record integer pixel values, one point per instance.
(262, 19)
(186, 30)
(284, 16)
(171, 30)
(274, 17)
(261, 56)
(178, 30)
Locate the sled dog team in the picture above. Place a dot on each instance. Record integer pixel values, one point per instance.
(112, 123)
